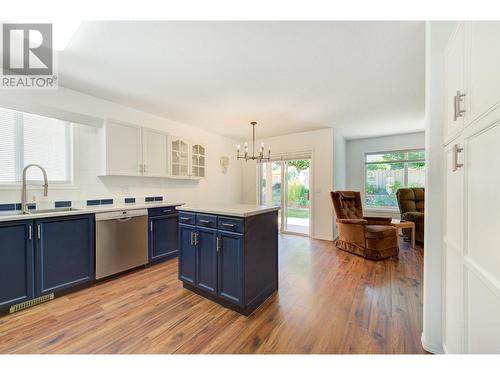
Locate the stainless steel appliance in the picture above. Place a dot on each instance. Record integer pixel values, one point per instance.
(121, 241)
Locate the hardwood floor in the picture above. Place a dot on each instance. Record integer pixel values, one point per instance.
(329, 301)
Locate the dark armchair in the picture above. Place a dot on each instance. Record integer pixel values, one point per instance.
(411, 203)
(370, 237)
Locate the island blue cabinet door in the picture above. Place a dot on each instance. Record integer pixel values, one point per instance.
(206, 260)
(16, 262)
(187, 254)
(64, 253)
(163, 237)
(230, 265)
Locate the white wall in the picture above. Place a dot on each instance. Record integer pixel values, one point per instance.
(217, 187)
(356, 150)
(437, 34)
(320, 142)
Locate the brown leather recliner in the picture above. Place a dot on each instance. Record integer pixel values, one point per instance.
(411, 203)
(371, 237)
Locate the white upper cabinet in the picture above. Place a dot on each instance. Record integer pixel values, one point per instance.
(155, 153)
(179, 149)
(131, 150)
(484, 67)
(198, 160)
(123, 149)
(455, 84)
(187, 159)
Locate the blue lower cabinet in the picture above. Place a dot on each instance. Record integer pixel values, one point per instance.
(230, 267)
(64, 253)
(238, 267)
(206, 259)
(16, 262)
(187, 254)
(163, 238)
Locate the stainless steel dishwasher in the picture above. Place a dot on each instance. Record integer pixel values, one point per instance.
(121, 241)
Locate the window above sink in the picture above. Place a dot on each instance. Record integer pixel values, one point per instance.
(28, 138)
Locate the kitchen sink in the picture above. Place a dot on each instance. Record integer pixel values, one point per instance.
(41, 211)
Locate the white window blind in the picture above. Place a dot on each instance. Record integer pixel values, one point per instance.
(26, 139)
(7, 147)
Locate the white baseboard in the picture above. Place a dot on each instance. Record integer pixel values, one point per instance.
(434, 348)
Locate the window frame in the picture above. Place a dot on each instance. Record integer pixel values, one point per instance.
(72, 152)
(403, 161)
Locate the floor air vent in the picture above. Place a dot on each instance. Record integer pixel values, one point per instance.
(31, 303)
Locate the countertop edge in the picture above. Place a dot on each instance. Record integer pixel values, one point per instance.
(89, 210)
(222, 212)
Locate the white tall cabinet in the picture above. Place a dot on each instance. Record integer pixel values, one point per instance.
(471, 282)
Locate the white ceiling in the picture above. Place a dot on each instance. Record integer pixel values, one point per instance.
(366, 78)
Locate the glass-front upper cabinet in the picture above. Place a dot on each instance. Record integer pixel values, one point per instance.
(180, 157)
(197, 160)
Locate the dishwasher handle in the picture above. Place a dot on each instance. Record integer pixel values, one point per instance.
(122, 219)
(120, 215)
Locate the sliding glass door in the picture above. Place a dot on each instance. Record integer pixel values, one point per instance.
(286, 183)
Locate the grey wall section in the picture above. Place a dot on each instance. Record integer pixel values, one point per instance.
(339, 166)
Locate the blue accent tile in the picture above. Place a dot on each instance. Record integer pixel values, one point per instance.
(149, 199)
(129, 200)
(62, 204)
(93, 202)
(8, 207)
(31, 206)
(106, 201)
(18, 206)
(158, 199)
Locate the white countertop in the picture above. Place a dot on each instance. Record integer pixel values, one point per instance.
(81, 209)
(239, 210)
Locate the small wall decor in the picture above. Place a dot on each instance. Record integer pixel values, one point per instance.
(224, 163)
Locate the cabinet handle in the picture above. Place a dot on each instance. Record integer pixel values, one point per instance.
(456, 150)
(184, 218)
(30, 232)
(205, 221)
(151, 226)
(192, 238)
(195, 238)
(458, 99)
(228, 225)
(39, 231)
(218, 244)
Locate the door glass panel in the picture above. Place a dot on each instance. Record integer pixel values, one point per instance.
(297, 204)
(270, 189)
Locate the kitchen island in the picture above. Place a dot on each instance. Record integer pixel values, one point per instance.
(229, 253)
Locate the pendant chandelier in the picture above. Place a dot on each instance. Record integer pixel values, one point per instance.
(260, 157)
